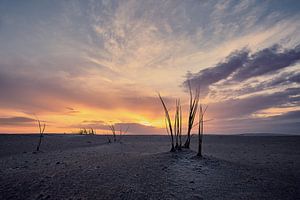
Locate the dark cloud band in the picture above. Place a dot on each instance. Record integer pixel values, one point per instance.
(242, 65)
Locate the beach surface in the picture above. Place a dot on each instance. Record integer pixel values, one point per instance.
(141, 167)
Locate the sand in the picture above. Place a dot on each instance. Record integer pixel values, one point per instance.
(140, 167)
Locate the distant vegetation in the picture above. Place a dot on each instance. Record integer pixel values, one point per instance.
(84, 131)
(114, 133)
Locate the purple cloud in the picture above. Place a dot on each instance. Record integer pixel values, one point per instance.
(222, 70)
(16, 121)
(242, 65)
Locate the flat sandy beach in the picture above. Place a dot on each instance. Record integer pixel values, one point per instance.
(141, 167)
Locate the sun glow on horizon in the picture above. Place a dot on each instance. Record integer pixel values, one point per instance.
(93, 63)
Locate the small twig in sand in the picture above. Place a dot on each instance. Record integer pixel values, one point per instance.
(41, 129)
(109, 140)
(113, 130)
(122, 133)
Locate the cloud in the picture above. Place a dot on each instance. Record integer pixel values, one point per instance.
(71, 111)
(268, 60)
(93, 122)
(292, 115)
(286, 123)
(242, 65)
(30, 93)
(244, 107)
(275, 82)
(16, 121)
(89, 59)
(222, 70)
(284, 79)
(137, 128)
(131, 127)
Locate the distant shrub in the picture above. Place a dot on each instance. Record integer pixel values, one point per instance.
(85, 131)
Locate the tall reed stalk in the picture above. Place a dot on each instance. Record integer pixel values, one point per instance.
(168, 123)
(194, 101)
(200, 129)
(178, 125)
(180, 128)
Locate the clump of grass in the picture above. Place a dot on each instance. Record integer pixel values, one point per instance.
(91, 131)
(84, 131)
(123, 132)
(41, 133)
(176, 131)
(178, 125)
(114, 133)
(194, 102)
(113, 130)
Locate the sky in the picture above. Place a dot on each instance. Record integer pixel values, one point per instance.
(91, 63)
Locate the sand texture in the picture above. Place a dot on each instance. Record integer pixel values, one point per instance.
(140, 167)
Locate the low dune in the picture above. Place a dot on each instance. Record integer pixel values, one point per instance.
(141, 167)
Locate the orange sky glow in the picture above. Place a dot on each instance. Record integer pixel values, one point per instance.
(90, 64)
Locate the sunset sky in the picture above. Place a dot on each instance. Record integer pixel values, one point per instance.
(88, 64)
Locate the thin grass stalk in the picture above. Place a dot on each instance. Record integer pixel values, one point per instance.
(41, 130)
(180, 128)
(167, 127)
(122, 133)
(169, 123)
(176, 124)
(113, 130)
(108, 139)
(200, 130)
(204, 111)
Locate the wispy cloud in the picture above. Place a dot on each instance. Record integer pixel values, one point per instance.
(101, 57)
